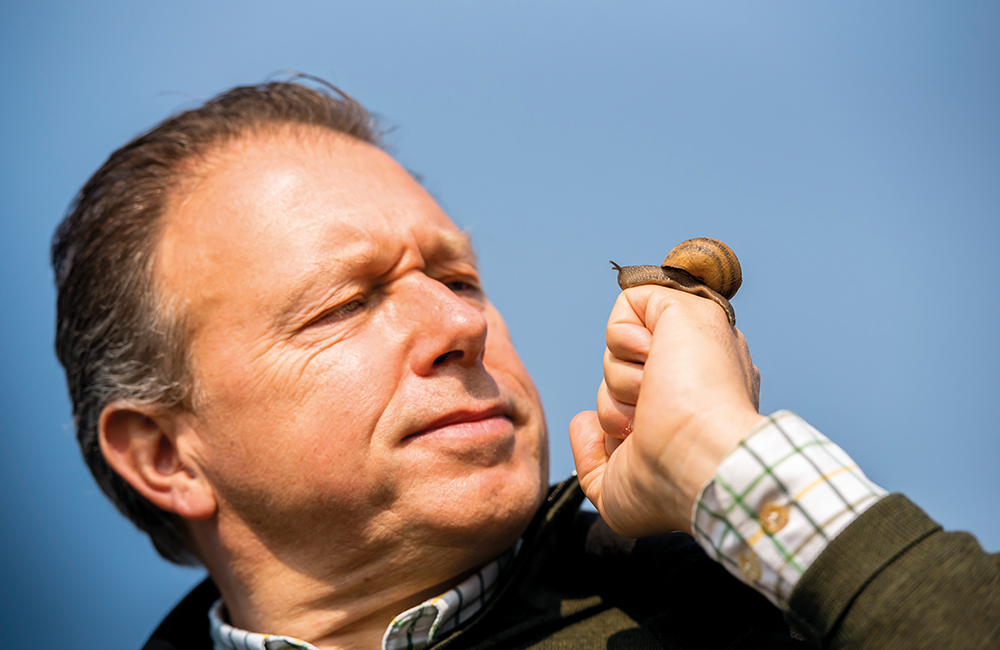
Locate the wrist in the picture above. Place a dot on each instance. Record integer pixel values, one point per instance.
(695, 454)
(781, 494)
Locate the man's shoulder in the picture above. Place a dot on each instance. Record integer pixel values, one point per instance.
(186, 627)
(652, 575)
(576, 583)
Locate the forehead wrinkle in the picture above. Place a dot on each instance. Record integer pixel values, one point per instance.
(350, 261)
(356, 259)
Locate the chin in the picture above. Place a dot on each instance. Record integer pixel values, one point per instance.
(488, 510)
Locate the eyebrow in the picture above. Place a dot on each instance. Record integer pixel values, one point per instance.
(355, 255)
(454, 245)
(450, 245)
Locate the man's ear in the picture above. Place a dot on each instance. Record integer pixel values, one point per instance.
(155, 454)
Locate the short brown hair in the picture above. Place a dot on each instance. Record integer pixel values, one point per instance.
(113, 336)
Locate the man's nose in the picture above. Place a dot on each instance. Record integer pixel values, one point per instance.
(448, 329)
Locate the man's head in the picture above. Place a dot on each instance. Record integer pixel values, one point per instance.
(268, 324)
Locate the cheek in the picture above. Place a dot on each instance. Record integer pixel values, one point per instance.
(501, 357)
(291, 386)
(503, 362)
(291, 426)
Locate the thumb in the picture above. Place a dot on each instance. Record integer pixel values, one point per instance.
(586, 437)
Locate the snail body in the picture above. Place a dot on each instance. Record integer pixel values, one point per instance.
(702, 266)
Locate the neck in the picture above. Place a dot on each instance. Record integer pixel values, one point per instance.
(344, 600)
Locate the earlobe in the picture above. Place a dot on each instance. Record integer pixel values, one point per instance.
(152, 453)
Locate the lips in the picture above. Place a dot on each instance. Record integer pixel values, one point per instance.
(466, 422)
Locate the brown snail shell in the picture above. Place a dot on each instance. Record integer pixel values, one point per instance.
(710, 261)
(702, 266)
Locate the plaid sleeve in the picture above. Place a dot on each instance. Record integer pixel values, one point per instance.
(776, 501)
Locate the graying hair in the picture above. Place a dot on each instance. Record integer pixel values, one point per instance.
(114, 336)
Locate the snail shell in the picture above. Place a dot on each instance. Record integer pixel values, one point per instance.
(710, 261)
(702, 266)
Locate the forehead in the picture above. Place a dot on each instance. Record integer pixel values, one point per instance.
(265, 212)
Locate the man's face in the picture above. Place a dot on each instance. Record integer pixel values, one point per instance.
(354, 384)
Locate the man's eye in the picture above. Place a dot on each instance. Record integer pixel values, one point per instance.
(340, 312)
(354, 305)
(459, 286)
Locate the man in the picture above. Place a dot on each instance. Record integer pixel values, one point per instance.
(283, 366)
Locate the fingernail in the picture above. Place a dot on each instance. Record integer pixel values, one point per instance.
(628, 429)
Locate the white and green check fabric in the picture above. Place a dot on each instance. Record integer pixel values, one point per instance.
(776, 501)
(419, 626)
(413, 629)
(227, 637)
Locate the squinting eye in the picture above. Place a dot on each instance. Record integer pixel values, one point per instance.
(459, 286)
(354, 305)
(340, 312)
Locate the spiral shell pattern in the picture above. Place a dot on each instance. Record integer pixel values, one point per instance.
(711, 262)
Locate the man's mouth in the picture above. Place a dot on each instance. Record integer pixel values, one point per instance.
(467, 423)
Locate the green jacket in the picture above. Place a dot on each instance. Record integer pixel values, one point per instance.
(895, 579)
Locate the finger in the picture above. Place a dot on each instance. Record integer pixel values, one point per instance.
(623, 378)
(627, 336)
(751, 371)
(616, 418)
(756, 389)
(586, 438)
(611, 443)
(628, 341)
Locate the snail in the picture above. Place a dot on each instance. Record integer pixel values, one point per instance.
(702, 266)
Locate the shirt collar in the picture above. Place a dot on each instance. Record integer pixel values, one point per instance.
(413, 629)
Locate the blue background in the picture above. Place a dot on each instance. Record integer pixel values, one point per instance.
(850, 154)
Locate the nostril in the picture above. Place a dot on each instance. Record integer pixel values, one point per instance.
(454, 355)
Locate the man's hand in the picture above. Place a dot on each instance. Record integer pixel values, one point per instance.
(679, 391)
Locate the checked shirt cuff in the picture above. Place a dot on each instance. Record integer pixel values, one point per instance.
(776, 501)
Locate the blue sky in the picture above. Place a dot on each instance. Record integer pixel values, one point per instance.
(849, 153)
